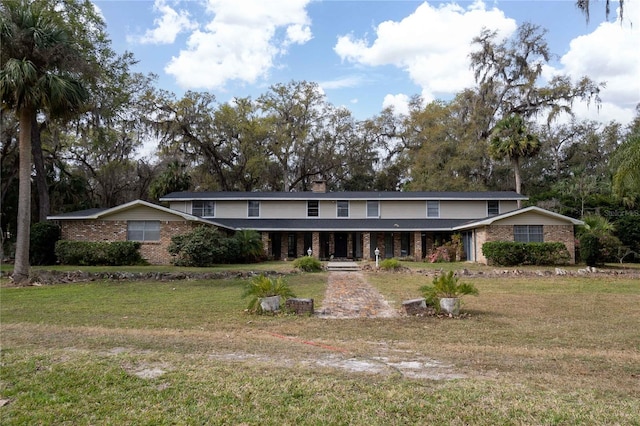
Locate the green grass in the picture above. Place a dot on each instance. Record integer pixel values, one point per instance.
(553, 350)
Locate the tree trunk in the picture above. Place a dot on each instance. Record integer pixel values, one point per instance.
(44, 204)
(21, 265)
(516, 171)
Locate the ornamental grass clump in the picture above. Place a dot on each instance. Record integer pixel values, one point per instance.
(390, 264)
(262, 286)
(446, 286)
(307, 264)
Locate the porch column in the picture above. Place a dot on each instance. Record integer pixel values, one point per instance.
(265, 243)
(366, 245)
(284, 245)
(417, 246)
(315, 244)
(397, 246)
(350, 244)
(332, 243)
(301, 250)
(380, 244)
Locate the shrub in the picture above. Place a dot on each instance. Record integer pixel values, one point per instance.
(596, 249)
(511, 253)
(204, 246)
(590, 249)
(86, 253)
(263, 286)
(42, 245)
(390, 264)
(250, 246)
(308, 264)
(628, 231)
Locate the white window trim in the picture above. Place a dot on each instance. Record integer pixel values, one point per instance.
(528, 234)
(144, 230)
(489, 214)
(367, 208)
(249, 208)
(427, 206)
(348, 209)
(204, 201)
(317, 201)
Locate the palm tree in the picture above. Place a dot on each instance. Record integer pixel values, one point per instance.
(626, 161)
(510, 139)
(35, 62)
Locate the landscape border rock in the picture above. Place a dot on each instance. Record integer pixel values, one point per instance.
(47, 277)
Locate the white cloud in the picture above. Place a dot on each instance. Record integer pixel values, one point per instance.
(168, 26)
(610, 54)
(432, 44)
(399, 102)
(341, 83)
(239, 43)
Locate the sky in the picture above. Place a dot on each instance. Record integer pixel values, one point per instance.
(368, 54)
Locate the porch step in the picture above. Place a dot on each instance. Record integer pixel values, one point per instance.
(343, 266)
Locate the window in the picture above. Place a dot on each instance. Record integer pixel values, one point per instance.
(253, 209)
(373, 208)
(433, 208)
(493, 208)
(203, 208)
(343, 208)
(143, 230)
(313, 208)
(528, 233)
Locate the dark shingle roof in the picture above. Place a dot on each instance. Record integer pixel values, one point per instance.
(80, 214)
(341, 224)
(347, 195)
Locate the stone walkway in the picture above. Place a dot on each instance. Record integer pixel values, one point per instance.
(349, 295)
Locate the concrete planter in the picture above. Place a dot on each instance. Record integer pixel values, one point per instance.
(450, 305)
(270, 304)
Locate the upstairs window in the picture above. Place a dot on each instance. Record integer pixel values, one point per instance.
(342, 209)
(528, 233)
(433, 208)
(493, 208)
(313, 208)
(373, 208)
(203, 208)
(253, 209)
(143, 230)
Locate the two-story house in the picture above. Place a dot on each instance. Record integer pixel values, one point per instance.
(332, 224)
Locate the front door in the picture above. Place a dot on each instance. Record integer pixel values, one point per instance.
(341, 245)
(276, 245)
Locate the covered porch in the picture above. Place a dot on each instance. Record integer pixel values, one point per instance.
(355, 245)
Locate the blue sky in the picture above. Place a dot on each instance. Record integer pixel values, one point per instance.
(366, 54)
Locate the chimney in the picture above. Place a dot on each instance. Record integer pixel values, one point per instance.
(319, 186)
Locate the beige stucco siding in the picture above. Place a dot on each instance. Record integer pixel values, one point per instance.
(508, 206)
(294, 209)
(358, 209)
(181, 206)
(231, 209)
(143, 213)
(409, 209)
(389, 209)
(531, 218)
(458, 209)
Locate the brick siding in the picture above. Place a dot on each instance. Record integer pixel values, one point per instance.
(154, 252)
(551, 233)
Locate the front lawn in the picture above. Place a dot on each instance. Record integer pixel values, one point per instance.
(547, 350)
